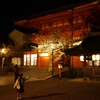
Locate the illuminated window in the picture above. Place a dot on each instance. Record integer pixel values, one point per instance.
(96, 59)
(33, 59)
(81, 58)
(27, 59)
(30, 59)
(16, 60)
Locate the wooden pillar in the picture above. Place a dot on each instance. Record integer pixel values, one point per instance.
(93, 68)
(84, 68)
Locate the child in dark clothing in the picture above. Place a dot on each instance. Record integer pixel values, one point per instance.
(19, 85)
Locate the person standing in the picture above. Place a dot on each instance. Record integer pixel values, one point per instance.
(16, 72)
(19, 85)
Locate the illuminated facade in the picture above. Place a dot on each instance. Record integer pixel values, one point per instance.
(73, 24)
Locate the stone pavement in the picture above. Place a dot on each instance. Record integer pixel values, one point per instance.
(53, 89)
(37, 73)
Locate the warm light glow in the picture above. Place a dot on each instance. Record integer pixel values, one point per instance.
(96, 57)
(52, 46)
(44, 54)
(3, 50)
(33, 59)
(77, 43)
(30, 59)
(93, 57)
(27, 59)
(59, 66)
(16, 60)
(81, 58)
(39, 46)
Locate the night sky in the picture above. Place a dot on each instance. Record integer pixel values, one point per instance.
(11, 11)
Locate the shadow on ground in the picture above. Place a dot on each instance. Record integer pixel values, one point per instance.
(36, 97)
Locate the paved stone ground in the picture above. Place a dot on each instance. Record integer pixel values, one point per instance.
(54, 89)
(36, 73)
(40, 88)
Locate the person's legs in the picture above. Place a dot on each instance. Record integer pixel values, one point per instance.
(21, 92)
(18, 94)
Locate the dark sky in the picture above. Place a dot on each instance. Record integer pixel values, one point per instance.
(11, 11)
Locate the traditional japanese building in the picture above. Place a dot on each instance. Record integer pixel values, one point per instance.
(73, 22)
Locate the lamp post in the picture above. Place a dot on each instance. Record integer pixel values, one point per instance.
(59, 70)
(3, 58)
(85, 79)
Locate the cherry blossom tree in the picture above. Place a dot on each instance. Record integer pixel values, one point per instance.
(53, 43)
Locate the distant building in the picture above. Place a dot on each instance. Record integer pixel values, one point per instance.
(75, 22)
